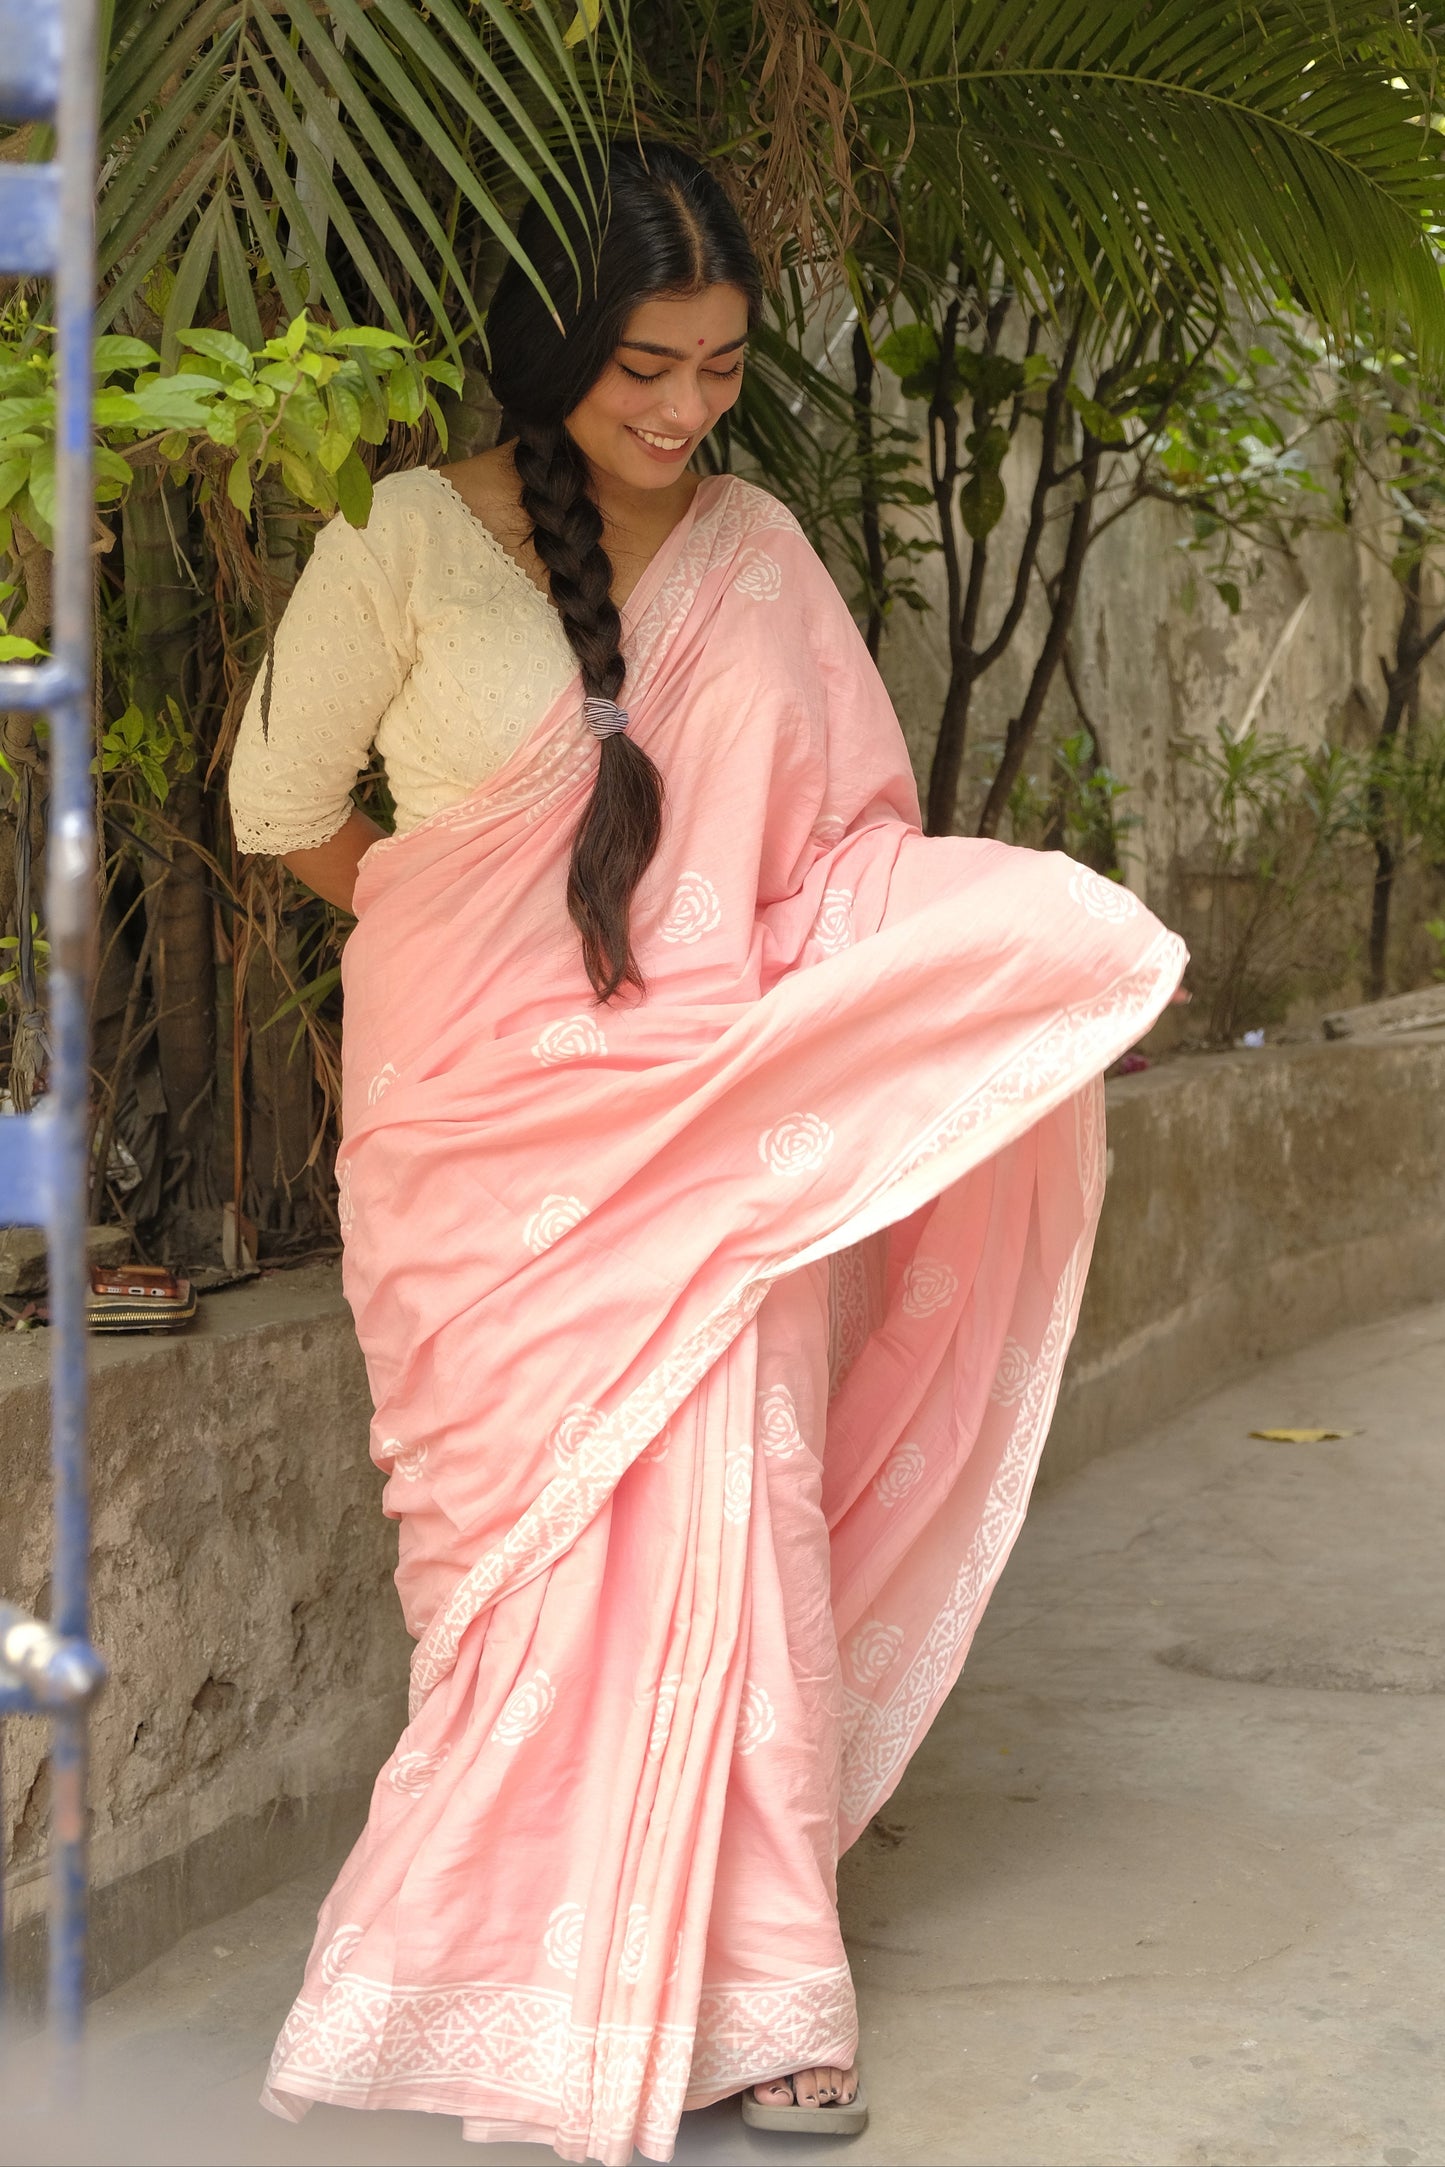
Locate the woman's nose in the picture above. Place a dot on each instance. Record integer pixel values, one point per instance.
(690, 407)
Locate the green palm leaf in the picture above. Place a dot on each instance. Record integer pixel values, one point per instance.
(1279, 146)
(333, 149)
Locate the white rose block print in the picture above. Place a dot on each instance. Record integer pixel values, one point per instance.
(408, 1461)
(778, 1423)
(338, 1953)
(554, 1217)
(527, 1709)
(795, 1145)
(759, 577)
(1013, 1374)
(693, 911)
(570, 1439)
(833, 926)
(345, 1210)
(757, 1719)
(410, 1773)
(873, 1650)
(562, 1941)
(902, 1469)
(380, 1084)
(738, 1480)
(1109, 900)
(928, 1286)
(572, 1039)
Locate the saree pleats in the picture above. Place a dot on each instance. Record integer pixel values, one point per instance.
(713, 1339)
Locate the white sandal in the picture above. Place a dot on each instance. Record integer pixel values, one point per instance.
(830, 2121)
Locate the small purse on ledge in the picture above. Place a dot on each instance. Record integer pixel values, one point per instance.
(139, 1298)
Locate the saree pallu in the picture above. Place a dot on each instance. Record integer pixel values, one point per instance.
(713, 1338)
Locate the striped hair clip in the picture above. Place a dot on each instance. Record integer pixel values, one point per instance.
(604, 717)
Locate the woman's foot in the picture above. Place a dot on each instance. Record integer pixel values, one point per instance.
(810, 2088)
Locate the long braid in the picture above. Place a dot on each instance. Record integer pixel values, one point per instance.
(644, 220)
(622, 825)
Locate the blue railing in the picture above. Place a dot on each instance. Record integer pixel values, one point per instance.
(48, 70)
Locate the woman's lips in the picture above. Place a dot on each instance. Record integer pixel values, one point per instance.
(655, 451)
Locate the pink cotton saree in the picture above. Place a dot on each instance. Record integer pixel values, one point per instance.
(713, 1340)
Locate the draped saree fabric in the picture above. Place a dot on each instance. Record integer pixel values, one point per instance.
(713, 1338)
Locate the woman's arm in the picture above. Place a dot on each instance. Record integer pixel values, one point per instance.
(342, 652)
(330, 869)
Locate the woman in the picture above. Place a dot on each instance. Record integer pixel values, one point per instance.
(721, 1163)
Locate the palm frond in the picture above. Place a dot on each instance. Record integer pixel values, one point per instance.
(335, 150)
(1279, 147)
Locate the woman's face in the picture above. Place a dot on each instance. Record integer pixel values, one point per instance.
(677, 368)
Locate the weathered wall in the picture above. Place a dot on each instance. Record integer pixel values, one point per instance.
(242, 1594)
(1256, 1201)
(1159, 661)
(242, 1564)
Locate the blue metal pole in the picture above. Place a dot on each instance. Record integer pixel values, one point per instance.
(71, 911)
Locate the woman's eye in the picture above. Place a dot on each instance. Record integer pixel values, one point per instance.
(720, 376)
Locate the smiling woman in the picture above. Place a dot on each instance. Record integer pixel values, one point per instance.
(714, 1275)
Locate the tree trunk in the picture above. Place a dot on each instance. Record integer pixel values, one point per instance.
(160, 614)
(864, 374)
(1065, 599)
(1401, 683)
(946, 768)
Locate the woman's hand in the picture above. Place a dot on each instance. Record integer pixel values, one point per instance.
(330, 869)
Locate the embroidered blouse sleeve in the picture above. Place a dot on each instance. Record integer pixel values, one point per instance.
(342, 652)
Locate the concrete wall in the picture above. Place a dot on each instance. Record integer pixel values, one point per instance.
(242, 1595)
(1159, 663)
(1257, 1201)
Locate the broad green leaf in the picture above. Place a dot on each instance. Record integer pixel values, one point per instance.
(981, 503)
(238, 487)
(218, 346)
(911, 350)
(353, 490)
(14, 475)
(407, 394)
(116, 410)
(368, 335)
(993, 378)
(1097, 419)
(41, 489)
(113, 353)
(175, 402)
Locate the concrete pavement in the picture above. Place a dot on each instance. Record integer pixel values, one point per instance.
(1163, 1886)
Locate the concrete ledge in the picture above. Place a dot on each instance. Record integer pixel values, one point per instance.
(1256, 1201)
(241, 1588)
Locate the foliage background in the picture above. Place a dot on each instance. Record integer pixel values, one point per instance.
(1042, 220)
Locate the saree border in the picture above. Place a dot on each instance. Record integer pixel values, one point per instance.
(520, 2042)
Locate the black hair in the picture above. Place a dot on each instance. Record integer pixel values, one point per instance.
(662, 226)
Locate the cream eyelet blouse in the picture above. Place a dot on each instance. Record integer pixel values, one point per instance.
(418, 634)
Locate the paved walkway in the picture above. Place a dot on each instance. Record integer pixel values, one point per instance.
(1163, 1886)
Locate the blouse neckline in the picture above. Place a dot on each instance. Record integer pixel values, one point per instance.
(652, 573)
